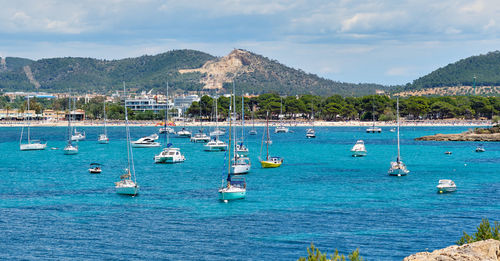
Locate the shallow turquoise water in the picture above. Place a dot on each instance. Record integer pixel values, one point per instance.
(51, 207)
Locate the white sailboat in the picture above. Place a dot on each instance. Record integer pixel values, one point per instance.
(373, 129)
(169, 154)
(359, 150)
(253, 131)
(200, 137)
(311, 133)
(234, 187)
(77, 135)
(184, 133)
(103, 138)
(70, 149)
(241, 163)
(241, 149)
(398, 168)
(215, 144)
(128, 183)
(281, 128)
(32, 144)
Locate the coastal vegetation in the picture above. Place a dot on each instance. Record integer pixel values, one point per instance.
(315, 254)
(332, 108)
(484, 231)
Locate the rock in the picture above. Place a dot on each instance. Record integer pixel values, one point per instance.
(466, 136)
(486, 250)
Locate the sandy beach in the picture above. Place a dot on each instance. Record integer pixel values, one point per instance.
(89, 123)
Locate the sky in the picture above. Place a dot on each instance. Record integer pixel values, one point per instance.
(388, 42)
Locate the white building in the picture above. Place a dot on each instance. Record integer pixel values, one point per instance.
(147, 104)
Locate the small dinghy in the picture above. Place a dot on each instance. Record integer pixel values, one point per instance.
(95, 168)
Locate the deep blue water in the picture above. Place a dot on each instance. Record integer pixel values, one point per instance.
(51, 207)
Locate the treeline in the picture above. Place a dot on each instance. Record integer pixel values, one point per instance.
(366, 108)
(333, 108)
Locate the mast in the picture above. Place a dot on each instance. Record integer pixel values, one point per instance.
(130, 155)
(104, 109)
(397, 109)
(216, 121)
(229, 145)
(373, 113)
(267, 135)
(242, 117)
(166, 119)
(281, 111)
(233, 94)
(69, 120)
(29, 120)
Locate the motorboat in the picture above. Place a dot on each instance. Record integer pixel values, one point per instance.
(103, 139)
(447, 152)
(480, 148)
(200, 137)
(146, 142)
(446, 186)
(184, 133)
(281, 129)
(359, 150)
(236, 188)
(392, 130)
(310, 133)
(374, 129)
(78, 136)
(241, 165)
(165, 130)
(170, 155)
(95, 168)
(217, 132)
(252, 132)
(215, 145)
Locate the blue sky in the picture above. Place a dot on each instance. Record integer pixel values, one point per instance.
(387, 42)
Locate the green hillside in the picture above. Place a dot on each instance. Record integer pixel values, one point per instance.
(486, 69)
(152, 72)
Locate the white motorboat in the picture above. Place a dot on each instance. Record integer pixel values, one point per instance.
(127, 186)
(146, 142)
(359, 150)
(374, 129)
(165, 130)
(170, 155)
(252, 132)
(215, 145)
(310, 133)
(78, 136)
(217, 132)
(480, 148)
(32, 144)
(95, 168)
(200, 138)
(446, 186)
(103, 138)
(184, 133)
(398, 168)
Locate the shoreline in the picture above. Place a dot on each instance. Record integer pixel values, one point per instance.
(248, 124)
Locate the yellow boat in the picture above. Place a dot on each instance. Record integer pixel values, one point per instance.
(271, 162)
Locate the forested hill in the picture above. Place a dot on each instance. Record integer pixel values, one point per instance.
(458, 78)
(185, 70)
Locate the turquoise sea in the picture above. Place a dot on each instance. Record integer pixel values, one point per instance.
(52, 208)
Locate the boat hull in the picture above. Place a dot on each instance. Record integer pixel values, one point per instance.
(223, 195)
(70, 152)
(169, 160)
(33, 146)
(270, 164)
(106, 141)
(240, 169)
(215, 148)
(129, 191)
(398, 172)
(359, 153)
(446, 189)
(149, 145)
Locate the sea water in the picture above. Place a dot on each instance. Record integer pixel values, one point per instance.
(51, 207)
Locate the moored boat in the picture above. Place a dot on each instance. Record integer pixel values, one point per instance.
(446, 186)
(359, 150)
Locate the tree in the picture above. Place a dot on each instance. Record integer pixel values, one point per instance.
(315, 254)
(484, 231)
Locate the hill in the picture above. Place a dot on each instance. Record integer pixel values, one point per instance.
(458, 78)
(185, 70)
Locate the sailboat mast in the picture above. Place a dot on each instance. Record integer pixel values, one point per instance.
(130, 155)
(229, 145)
(397, 109)
(166, 119)
(242, 117)
(267, 135)
(104, 110)
(216, 120)
(69, 119)
(29, 120)
(233, 94)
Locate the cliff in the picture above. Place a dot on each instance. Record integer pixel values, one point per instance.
(487, 250)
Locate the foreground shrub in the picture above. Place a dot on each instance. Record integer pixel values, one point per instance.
(484, 231)
(315, 255)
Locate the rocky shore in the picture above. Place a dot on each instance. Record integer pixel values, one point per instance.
(462, 137)
(487, 250)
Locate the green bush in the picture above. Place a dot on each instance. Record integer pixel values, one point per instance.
(315, 255)
(484, 231)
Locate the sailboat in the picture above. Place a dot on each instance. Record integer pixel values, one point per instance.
(127, 186)
(200, 136)
(373, 129)
(169, 154)
(77, 135)
(268, 162)
(217, 131)
(241, 149)
(281, 128)
(232, 187)
(215, 144)
(70, 149)
(103, 138)
(253, 131)
(241, 162)
(184, 133)
(398, 168)
(311, 133)
(32, 144)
